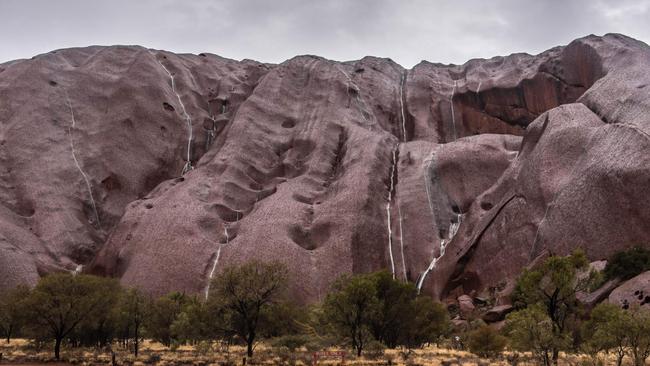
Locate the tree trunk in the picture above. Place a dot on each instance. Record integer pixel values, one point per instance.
(136, 341)
(249, 344)
(249, 348)
(556, 356)
(57, 348)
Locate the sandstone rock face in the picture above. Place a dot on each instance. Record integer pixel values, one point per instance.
(162, 169)
(573, 181)
(633, 292)
(87, 131)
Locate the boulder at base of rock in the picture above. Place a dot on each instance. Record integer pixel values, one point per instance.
(593, 298)
(466, 306)
(497, 313)
(633, 292)
(460, 325)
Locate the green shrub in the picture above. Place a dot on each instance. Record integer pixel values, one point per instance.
(486, 342)
(203, 347)
(316, 344)
(291, 342)
(374, 350)
(627, 264)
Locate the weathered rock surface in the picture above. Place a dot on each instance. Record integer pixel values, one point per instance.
(592, 299)
(465, 306)
(330, 167)
(497, 313)
(87, 131)
(633, 292)
(580, 178)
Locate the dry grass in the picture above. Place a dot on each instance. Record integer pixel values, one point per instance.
(23, 352)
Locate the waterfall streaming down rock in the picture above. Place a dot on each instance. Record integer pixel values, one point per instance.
(214, 264)
(445, 219)
(214, 267)
(401, 241)
(453, 117)
(76, 162)
(453, 228)
(78, 269)
(391, 189)
(188, 159)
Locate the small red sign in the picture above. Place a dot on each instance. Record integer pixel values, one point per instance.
(328, 354)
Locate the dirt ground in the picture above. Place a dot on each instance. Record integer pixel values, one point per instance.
(21, 352)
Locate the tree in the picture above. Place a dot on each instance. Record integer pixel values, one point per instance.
(99, 329)
(394, 310)
(240, 295)
(283, 318)
(624, 332)
(12, 311)
(195, 322)
(486, 342)
(163, 313)
(60, 302)
(532, 330)
(375, 306)
(606, 330)
(639, 335)
(427, 322)
(554, 286)
(351, 307)
(133, 309)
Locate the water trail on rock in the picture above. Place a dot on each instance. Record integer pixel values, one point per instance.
(478, 88)
(430, 178)
(210, 133)
(188, 160)
(404, 139)
(393, 169)
(76, 162)
(401, 240)
(78, 269)
(453, 117)
(357, 92)
(401, 105)
(453, 229)
(214, 264)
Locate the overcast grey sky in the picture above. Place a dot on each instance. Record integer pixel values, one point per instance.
(274, 30)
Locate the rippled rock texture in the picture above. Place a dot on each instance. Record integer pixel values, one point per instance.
(162, 169)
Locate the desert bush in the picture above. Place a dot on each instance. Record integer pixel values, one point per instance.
(375, 350)
(152, 359)
(486, 342)
(203, 347)
(318, 343)
(291, 342)
(627, 264)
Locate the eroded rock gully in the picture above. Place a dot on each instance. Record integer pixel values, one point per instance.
(196, 162)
